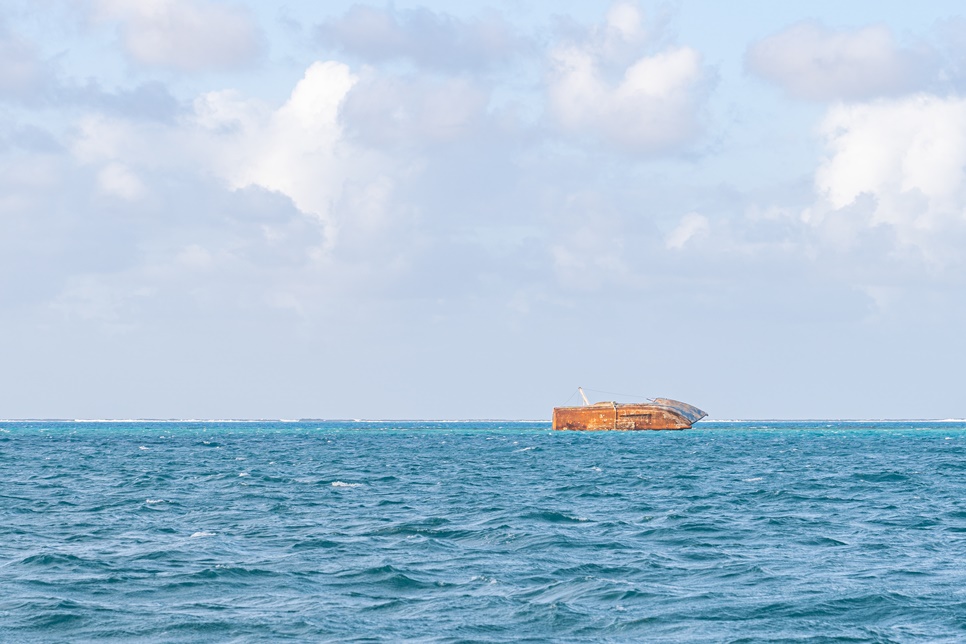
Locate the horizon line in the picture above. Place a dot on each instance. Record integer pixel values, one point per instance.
(456, 420)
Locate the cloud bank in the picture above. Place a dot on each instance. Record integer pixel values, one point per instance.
(441, 196)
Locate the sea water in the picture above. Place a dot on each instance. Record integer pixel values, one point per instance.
(473, 531)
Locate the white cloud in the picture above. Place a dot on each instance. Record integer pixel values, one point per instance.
(589, 256)
(297, 149)
(117, 180)
(691, 226)
(188, 35)
(897, 163)
(431, 40)
(99, 138)
(246, 200)
(195, 257)
(387, 110)
(621, 35)
(22, 73)
(626, 20)
(655, 103)
(87, 297)
(29, 77)
(813, 62)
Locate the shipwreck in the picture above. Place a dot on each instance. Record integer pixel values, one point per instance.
(659, 413)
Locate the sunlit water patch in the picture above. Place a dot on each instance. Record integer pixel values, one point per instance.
(309, 531)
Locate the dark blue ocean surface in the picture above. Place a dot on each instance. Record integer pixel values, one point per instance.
(315, 531)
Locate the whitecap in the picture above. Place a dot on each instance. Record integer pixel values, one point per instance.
(484, 578)
(202, 534)
(153, 501)
(525, 449)
(752, 480)
(244, 474)
(144, 448)
(344, 484)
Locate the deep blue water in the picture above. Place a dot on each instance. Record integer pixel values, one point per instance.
(316, 531)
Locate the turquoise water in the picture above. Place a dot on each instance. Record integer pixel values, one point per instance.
(335, 531)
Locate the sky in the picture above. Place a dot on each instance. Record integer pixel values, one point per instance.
(229, 209)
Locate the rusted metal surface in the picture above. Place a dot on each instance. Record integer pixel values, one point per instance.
(662, 413)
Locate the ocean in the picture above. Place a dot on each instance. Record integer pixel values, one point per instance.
(482, 532)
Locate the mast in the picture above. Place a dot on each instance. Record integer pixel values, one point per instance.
(581, 390)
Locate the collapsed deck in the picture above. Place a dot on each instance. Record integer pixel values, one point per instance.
(661, 413)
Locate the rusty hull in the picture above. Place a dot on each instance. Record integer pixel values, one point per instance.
(662, 413)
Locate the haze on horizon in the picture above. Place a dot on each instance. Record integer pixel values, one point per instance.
(229, 209)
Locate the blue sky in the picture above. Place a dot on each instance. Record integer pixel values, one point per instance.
(462, 210)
